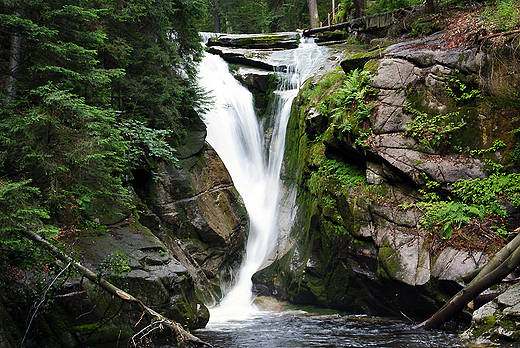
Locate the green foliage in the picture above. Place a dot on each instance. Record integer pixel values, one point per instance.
(146, 143)
(345, 8)
(18, 207)
(102, 88)
(470, 199)
(116, 263)
(506, 14)
(490, 192)
(347, 106)
(79, 147)
(248, 16)
(431, 131)
(515, 155)
(449, 215)
(347, 175)
(390, 5)
(456, 89)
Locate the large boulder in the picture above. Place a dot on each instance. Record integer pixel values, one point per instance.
(499, 319)
(129, 256)
(196, 211)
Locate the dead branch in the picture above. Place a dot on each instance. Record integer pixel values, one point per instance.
(504, 262)
(507, 33)
(183, 336)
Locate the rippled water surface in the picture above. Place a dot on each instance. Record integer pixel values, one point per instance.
(299, 330)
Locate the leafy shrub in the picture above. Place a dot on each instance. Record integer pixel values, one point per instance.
(347, 174)
(19, 207)
(348, 106)
(491, 192)
(117, 262)
(449, 215)
(146, 143)
(458, 90)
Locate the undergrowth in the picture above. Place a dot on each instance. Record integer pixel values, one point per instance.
(470, 202)
(348, 107)
(505, 15)
(348, 175)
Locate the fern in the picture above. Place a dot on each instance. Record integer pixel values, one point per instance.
(450, 214)
(490, 192)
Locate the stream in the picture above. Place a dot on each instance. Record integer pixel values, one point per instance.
(296, 329)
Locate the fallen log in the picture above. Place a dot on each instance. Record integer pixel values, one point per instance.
(504, 262)
(512, 32)
(183, 337)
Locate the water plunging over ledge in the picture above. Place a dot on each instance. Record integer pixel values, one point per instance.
(237, 135)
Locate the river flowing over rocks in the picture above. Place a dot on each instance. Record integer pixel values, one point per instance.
(363, 249)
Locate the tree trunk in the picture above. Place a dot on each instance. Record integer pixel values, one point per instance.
(504, 262)
(216, 18)
(313, 14)
(430, 6)
(359, 8)
(14, 65)
(183, 337)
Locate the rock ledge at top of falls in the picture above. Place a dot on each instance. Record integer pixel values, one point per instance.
(255, 41)
(253, 50)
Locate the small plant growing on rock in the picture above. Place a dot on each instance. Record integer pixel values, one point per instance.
(117, 263)
(433, 132)
(348, 107)
(459, 91)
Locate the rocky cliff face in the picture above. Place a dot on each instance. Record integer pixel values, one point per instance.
(196, 211)
(360, 243)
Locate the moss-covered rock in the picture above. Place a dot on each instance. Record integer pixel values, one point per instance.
(356, 245)
(198, 209)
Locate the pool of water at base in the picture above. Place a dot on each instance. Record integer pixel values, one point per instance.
(301, 330)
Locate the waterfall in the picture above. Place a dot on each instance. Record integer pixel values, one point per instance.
(236, 134)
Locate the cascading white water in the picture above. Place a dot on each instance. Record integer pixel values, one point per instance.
(236, 134)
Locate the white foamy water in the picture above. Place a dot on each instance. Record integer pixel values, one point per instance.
(236, 134)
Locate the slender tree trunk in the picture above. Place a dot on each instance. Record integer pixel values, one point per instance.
(359, 8)
(14, 65)
(504, 262)
(313, 14)
(216, 18)
(430, 6)
(183, 336)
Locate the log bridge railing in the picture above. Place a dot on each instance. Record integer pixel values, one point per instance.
(372, 22)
